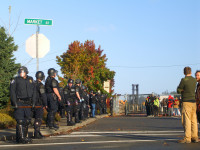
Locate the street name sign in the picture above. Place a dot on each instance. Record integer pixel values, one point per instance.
(38, 22)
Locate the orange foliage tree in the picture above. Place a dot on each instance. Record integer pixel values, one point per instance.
(84, 61)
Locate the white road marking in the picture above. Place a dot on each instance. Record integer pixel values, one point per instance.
(100, 135)
(120, 132)
(92, 142)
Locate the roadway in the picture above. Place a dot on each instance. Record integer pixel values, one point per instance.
(124, 132)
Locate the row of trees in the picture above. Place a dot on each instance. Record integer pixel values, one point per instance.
(81, 60)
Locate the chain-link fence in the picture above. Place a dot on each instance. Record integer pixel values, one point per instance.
(122, 106)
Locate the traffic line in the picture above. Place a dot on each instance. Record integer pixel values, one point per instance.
(117, 135)
(92, 142)
(121, 132)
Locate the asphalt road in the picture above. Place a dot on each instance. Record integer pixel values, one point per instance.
(116, 133)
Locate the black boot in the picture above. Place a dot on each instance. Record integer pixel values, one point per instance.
(37, 133)
(69, 120)
(77, 118)
(20, 134)
(55, 127)
(29, 140)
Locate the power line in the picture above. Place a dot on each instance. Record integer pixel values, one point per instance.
(136, 67)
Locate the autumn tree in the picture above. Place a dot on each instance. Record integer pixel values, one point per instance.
(86, 62)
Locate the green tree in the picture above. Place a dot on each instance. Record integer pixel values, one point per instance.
(84, 61)
(8, 67)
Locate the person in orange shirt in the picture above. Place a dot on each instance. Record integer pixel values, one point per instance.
(176, 106)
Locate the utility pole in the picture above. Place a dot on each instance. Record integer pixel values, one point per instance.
(37, 57)
(9, 20)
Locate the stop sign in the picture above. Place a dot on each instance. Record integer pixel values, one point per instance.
(43, 45)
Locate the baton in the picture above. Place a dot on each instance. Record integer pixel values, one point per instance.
(28, 107)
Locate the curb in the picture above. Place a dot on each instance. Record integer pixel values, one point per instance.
(62, 130)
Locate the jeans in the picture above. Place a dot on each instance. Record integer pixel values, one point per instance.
(93, 110)
(176, 111)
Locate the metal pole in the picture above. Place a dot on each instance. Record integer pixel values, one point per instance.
(37, 32)
(9, 20)
(133, 93)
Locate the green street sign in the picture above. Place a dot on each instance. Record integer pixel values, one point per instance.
(38, 22)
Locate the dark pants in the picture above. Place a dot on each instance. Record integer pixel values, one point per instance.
(86, 111)
(76, 111)
(52, 109)
(155, 110)
(81, 112)
(61, 109)
(148, 110)
(151, 109)
(23, 117)
(38, 115)
(164, 110)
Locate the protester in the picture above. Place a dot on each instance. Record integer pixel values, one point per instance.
(147, 106)
(170, 105)
(164, 104)
(197, 95)
(176, 107)
(187, 88)
(156, 106)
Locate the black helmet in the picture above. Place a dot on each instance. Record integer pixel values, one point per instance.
(78, 81)
(40, 75)
(23, 69)
(71, 81)
(83, 87)
(91, 92)
(52, 71)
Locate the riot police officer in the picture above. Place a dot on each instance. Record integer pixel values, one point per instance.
(79, 93)
(71, 102)
(41, 102)
(61, 108)
(85, 103)
(104, 104)
(23, 98)
(111, 106)
(98, 103)
(53, 96)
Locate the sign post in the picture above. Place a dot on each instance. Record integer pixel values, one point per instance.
(38, 22)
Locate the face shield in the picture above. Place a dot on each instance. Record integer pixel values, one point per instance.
(56, 73)
(21, 73)
(43, 79)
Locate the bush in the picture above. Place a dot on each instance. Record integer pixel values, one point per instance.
(8, 110)
(57, 117)
(6, 121)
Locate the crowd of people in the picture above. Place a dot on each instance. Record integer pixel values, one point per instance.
(187, 106)
(165, 107)
(30, 97)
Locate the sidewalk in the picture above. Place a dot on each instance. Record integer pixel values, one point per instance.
(9, 134)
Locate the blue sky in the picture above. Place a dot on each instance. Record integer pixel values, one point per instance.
(147, 42)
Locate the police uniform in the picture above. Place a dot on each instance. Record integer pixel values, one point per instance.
(85, 104)
(38, 112)
(79, 107)
(98, 104)
(104, 104)
(71, 103)
(111, 106)
(23, 94)
(52, 101)
(61, 108)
